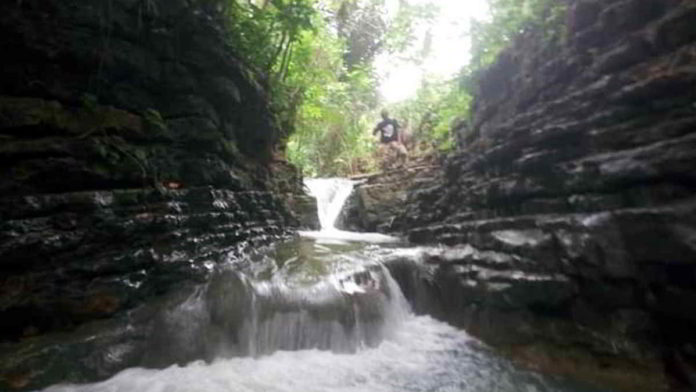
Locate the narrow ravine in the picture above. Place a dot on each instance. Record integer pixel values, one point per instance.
(319, 312)
(533, 221)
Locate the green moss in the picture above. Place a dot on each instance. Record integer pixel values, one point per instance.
(101, 169)
(127, 197)
(21, 172)
(230, 149)
(91, 117)
(154, 120)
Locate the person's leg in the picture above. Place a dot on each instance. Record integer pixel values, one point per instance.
(384, 153)
(392, 154)
(400, 150)
(385, 150)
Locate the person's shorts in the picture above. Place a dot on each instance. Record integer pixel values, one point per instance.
(395, 145)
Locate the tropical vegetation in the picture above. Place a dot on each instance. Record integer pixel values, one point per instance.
(317, 58)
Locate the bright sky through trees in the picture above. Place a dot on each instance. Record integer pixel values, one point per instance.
(326, 63)
(449, 51)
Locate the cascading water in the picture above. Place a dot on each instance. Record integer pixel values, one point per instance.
(331, 195)
(305, 315)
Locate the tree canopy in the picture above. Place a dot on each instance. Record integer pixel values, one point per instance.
(318, 60)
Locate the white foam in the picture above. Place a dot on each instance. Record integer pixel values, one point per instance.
(331, 195)
(340, 236)
(422, 355)
(414, 352)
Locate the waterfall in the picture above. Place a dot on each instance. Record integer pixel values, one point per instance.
(270, 336)
(234, 316)
(331, 195)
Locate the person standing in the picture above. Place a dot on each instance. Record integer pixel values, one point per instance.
(390, 139)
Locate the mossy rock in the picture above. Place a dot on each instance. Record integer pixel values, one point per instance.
(29, 113)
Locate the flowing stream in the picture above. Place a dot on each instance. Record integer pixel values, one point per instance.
(318, 313)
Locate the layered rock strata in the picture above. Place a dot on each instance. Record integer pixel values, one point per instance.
(288, 184)
(135, 154)
(379, 200)
(571, 199)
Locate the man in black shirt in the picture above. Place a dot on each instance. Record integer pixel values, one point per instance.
(390, 137)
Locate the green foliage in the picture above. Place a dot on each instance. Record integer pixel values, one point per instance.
(362, 25)
(431, 113)
(332, 121)
(89, 102)
(401, 34)
(318, 55)
(154, 118)
(332, 67)
(509, 19)
(438, 106)
(263, 34)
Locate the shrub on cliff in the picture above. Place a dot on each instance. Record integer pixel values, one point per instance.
(439, 106)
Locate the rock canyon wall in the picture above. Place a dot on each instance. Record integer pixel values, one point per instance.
(570, 203)
(136, 153)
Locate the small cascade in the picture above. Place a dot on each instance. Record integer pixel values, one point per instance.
(234, 315)
(317, 314)
(348, 329)
(331, 195)
(272, 336)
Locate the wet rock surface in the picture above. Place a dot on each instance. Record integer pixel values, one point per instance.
(288, 184)
(570, 203)
(136, 154)
(379, 200)
(72, 257)
(235, 312)
(526, 311)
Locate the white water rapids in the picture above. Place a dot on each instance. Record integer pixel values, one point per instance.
(314, 316)
(422, 355)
